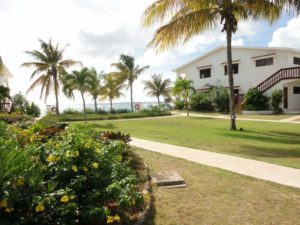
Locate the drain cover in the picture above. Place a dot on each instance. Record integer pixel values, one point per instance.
(168, 180)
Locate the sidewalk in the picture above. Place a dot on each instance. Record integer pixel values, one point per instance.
(261, 170)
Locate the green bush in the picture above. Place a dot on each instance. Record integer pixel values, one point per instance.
(21, 104)
(255, 100)
(78, 177)
(276, 100)
(179, 104)
(14, 117)
(70, 111)
(220, 98)
(201, 102)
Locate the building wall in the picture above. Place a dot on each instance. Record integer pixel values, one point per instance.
(3, 81)
(249, 75)
(293, 99)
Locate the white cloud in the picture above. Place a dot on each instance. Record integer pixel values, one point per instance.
(287, 36)
(238, 42)
(98, 31)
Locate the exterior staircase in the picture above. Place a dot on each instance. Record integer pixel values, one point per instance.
(5, 107)
(282, 74)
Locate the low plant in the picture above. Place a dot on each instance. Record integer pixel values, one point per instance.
(276, 100)
(201, 102)
(178, 104)
(72, 178)
(70, 111)
(255, 100)
(220, 98)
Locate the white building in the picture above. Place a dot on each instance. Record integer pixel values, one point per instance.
(265, 68)
(5, 75)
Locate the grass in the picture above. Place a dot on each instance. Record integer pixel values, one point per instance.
(81, 117)
(263, 117)
(218, 197)
(277, 143)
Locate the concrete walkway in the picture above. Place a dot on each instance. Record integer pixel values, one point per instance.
(266, 171)
(239, 118)
(292, 119)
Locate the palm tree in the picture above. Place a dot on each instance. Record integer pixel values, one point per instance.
(111, 88)
(191, 17)
(77, 81)
(291, 4)
(49, 67)
(129, 72)
(183, 89)
(95, 85)
(158, 87)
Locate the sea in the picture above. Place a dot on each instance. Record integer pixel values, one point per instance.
(102, 106)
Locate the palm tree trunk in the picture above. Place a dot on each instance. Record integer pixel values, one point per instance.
(158, 100)
(230, 76)
(95, 104)
(187, 107)
(83, 102)
(56, 94)
(110, 101)
(131, 96)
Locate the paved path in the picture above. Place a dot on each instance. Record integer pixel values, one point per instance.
(239, 118)
(266, 171)
(293, 119)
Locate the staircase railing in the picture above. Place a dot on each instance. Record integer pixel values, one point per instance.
(282, 74)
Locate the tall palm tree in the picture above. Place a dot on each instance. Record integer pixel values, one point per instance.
(111, 88)
(129, 72)
(183, 89)
(158, 87)
(191, 17)
(49, 67)
(95, 85)
(77, 81)
(290, 4)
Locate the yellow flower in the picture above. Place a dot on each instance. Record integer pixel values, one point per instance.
(3, 204)
(85, 169)
(40, 207)
(98, 150)
(117, 218)
(110, 219)
(9, 210)
(65, 199)
(119, 158)
(69, 154)
(20, 182)
(52, 158)
(75, 169)
(146, 196)
(95, 165)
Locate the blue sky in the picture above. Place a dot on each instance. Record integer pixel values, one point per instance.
(98, 31)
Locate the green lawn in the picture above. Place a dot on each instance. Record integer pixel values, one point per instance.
(277, 143)
(218, 197)
(263, 117)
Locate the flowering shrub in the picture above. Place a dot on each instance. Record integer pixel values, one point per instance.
(71, 178)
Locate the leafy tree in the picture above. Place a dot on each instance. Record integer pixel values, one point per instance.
(158, 87)
(201, 102)
(49, 67)
(220, 98)
(77, 81)
(128, 72)
(20, 102)
(95, 85)
(111, 88)
(183, 19)
(183, 89)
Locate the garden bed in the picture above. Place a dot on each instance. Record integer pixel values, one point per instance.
(74, 176)
(91, 117)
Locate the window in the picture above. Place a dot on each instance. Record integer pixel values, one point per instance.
(296, 60)
(264, 62)
(205, 73)
(296, 90)
(235, 68)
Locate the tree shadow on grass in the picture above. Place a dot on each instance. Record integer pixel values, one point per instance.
(264, 137)
(151, 216)
(266, 152)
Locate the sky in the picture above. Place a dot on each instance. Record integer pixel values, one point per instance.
(98, 31)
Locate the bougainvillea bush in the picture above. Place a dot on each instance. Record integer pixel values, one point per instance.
(76, 177)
